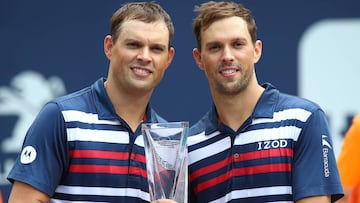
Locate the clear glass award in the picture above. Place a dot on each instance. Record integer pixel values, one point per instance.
(166, 160)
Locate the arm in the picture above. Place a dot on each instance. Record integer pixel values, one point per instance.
(23, 193)
(315, 199)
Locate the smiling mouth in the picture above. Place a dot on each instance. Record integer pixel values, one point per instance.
(228, 72)
(141, 70)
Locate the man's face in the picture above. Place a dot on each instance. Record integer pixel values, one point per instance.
(228, 55)
(140, 56)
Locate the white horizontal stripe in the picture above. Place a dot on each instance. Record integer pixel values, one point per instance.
(298, 114)
(72, 115)
(78, 134)
(103, 191)
(209, 150)
(255, 192)
(194, 139)
(287, 132)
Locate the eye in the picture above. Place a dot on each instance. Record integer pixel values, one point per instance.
(133, 45)
(158, 49)
(214, 47)
(238, 44)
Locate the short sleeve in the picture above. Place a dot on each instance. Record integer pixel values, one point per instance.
(314, 167)
(44, 155)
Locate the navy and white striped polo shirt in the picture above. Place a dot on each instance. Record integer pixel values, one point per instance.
(78, 149)
(282, 153)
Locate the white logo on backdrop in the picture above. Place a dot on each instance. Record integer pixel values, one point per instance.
(25, 97)
(329, 68)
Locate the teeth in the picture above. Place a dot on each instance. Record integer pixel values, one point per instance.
(228, 71)
(141, 71)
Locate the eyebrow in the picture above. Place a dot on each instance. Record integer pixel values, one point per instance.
(140, 41)
(237, 39)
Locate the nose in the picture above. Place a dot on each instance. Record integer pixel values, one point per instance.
(227, 54)
(144, 54)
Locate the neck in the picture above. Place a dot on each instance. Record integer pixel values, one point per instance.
(234, 110)
(129, 106)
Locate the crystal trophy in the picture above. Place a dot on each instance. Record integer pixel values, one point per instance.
(166, 160)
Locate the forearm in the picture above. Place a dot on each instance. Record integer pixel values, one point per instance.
(24, 193)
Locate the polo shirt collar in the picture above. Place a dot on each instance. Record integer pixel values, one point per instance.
(266, 104)
(264, 108)
(105, 108)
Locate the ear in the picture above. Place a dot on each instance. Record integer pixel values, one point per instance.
(197, 57)
(108, 44)
(258, 51)
(170, 56)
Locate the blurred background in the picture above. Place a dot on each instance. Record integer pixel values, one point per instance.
(51, 48)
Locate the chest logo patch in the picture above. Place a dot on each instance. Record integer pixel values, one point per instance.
(272, 144)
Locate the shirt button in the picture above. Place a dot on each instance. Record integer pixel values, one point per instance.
(236, 155)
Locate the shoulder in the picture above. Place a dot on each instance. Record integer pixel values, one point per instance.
(292, 101)
(283, 106)
(78, 98)
(280, 101)
(93, 96)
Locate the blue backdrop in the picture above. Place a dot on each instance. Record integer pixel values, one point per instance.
(49, 48)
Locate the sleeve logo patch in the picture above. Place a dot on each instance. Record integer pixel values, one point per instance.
(28, 155)
(325, 142)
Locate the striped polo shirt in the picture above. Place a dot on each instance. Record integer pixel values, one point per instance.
(281, 153)
(79, 150)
